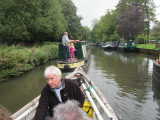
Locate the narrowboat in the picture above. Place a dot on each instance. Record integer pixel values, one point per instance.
(156, 70)
(72, 63)
(101, 109)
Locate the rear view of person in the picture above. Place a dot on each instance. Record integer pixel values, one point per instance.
(69, 110)
(4, 114)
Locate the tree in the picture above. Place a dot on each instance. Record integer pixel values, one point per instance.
(70, 13)
(131, 22)
(86, 33)
(52, 23)
(131, 17)
(155, 32)
(31, 20)
(105, 29)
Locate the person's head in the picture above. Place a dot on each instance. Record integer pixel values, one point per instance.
(72, 44)
(53, 76)
(4, 114)
(65, 33)
(69, 111)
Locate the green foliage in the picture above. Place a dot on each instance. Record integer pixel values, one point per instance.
(146, 46)
(15, 60)
(141, 39)
(74, 25)
(155, 32)
(126, 22)
(132, 16)
(32, 21)
(86, 33)
(105, 29)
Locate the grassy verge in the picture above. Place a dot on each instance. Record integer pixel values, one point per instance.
(15, 60)
(147, 46)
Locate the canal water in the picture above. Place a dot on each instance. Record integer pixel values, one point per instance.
(124, 78)
(16, 92)
(126, 81)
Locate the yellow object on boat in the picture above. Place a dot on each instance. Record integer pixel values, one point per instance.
(70, 65)
(87, 107)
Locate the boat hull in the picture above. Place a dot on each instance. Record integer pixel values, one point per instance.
(156, 72)
(70, 65)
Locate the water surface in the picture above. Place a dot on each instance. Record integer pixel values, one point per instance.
(126, 81)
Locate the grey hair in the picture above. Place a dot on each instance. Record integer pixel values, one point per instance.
(65, 33)
(4, 114)
(52, 70)
(69, 111)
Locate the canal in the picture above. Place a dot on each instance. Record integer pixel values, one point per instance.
(126, 81)
(124, 78)
(16, 92)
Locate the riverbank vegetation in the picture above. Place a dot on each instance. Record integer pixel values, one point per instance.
(130, 20)
(105, 29)
(26, 23)
(15, 60)
(147, 46)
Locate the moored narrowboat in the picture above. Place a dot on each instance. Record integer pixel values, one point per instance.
(72, 63)
(156, 70)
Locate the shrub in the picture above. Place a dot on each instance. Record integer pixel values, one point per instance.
(15, 60)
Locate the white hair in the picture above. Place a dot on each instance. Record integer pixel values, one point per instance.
(52, 70)
(65, 33)
(69, 111)
(4, 114)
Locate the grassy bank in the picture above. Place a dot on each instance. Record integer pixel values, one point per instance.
(147, 46)
(15, 60)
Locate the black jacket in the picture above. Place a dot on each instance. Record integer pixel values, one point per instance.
(49, 100)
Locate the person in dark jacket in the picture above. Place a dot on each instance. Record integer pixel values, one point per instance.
(56, 91)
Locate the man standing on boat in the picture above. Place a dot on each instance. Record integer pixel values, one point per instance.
(65, 43)
(56, 91)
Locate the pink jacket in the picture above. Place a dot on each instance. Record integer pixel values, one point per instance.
(72, 49)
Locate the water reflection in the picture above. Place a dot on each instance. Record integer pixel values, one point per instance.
(126, 81)
(17, 92)
(156, 95)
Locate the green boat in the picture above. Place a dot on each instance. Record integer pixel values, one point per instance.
(71, 64)
(130, 47)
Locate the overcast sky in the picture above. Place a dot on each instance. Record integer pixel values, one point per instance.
(91, 10)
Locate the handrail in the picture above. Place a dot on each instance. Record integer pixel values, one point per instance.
(27, 109)
(92, 102)
(96, 93)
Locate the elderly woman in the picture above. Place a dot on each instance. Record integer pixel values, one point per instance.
(69, 111)
(57, 90)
